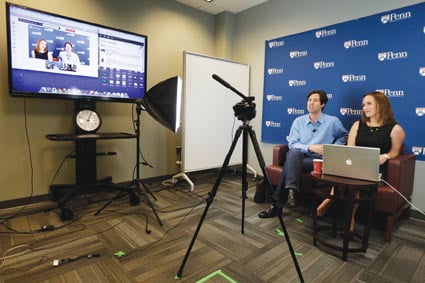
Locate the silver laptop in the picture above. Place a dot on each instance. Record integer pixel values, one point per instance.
(351, 161)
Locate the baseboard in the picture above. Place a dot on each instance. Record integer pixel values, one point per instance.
(417, 215)
(34, 202)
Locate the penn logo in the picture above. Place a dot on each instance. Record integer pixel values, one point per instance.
(353, 78)
(417, 150)
(272, 124)
(355, 43)
(271, 97)
(349, 111)
(390, 55)
(295, 83)
(392, 93)
(295, 111)
(422, 71)
(275, 43)
(274, 71)
(323, 65)
(393, 17)
(295, 54)
(325, 33)
(420, 111)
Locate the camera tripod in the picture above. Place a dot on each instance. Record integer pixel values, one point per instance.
(245, 111)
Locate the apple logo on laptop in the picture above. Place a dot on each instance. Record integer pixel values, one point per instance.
(349, 162)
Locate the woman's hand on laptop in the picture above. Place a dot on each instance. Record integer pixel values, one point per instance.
(383, 158)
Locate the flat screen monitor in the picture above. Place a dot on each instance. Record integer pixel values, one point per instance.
(52, 56)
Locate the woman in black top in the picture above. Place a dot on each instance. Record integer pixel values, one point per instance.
(41, 51)
(377, 128)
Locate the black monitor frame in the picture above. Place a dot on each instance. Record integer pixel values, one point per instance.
(98, 74)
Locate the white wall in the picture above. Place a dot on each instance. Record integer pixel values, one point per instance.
(277, 18)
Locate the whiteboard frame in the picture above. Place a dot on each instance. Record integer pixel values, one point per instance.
(209, 123)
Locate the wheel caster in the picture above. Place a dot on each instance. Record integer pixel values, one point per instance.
(67, 213)
(55, 196)
(134, 199)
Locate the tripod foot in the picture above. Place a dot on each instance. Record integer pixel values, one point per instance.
(67, 213)
(177, 277)
(134, 199)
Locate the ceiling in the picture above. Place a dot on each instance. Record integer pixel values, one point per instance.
(217, 6)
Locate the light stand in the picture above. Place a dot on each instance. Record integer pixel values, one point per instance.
(137, 184)
(245, 111)
(162, 102)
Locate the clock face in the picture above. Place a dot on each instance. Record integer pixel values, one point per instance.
(88, 120)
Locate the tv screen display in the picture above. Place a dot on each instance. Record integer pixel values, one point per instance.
(52, 56)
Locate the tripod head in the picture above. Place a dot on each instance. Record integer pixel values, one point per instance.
(244, 110)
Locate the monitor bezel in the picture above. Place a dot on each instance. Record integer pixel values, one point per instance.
(17, 93)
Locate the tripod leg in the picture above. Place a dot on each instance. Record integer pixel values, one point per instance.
(244, 170)
(109, 202)
(267, 179)
(210, 199)
(291, 249)
(147, 189)
(153, 209)
(147, 200)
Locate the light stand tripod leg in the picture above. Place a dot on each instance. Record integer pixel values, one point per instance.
(147, 189)
(139, 186)
(143, 194)
(210, 199)
(267, 179)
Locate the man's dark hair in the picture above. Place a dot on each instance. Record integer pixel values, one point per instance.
(322, 95)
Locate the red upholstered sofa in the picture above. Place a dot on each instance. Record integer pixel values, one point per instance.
(400, 174)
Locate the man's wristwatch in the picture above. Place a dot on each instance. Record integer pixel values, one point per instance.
(387, 157)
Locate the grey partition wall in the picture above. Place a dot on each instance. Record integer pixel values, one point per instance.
(209, 123)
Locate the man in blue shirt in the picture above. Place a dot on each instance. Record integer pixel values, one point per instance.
(306, 138)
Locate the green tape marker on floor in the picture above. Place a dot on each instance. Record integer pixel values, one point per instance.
(300, 220)
(218, 272)
(279, 232)
(119, 254)
(298, 254)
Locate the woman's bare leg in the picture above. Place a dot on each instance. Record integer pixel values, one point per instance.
(324, 205)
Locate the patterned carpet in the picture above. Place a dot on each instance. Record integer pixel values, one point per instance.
(115, 247)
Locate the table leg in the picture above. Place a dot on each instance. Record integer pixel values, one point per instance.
(314, 214)
(348, 216)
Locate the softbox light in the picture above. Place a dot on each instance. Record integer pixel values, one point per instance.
(162, 102)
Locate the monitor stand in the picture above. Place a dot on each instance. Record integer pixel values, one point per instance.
(85, 166)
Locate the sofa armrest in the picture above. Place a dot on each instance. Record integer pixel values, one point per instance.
(279, 152)
(400, 173)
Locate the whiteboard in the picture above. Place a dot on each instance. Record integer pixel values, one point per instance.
(209, 123)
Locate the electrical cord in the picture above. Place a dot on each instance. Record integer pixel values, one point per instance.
(4, 257)
(60, 166)
(43, 228)
(163, 236)
(57, 262)
(144, 162)
(58, 169)
(31, 167)
(403, 197)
